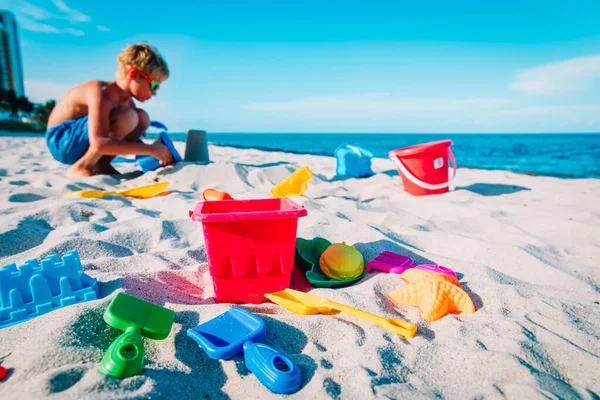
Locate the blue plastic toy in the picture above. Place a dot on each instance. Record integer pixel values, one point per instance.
(218, 338)
(158, 125)
(235, 331)
(274, 370)
(353, 161)
(35, 289)
(149, 163)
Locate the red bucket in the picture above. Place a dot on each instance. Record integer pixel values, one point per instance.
(424, 167)
(250, 246)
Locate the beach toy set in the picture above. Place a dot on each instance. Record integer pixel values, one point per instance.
(328, 265)
(251, 246)
(353, 161)
(196, 149)
(238, 331)
(423, 168)
(34, 289)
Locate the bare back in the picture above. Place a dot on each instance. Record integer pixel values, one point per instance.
(74, 104)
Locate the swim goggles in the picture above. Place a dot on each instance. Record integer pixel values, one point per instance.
(134, 73)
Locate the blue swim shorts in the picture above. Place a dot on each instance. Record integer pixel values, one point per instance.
(68, 141)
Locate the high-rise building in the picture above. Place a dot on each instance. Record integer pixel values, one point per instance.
(11, 66)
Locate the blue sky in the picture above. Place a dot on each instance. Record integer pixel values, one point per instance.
(334, 66)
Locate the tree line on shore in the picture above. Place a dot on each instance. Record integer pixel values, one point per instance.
(17, 111)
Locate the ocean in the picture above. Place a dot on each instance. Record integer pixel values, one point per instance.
(559, 155)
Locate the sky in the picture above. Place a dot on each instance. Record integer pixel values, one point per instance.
(333, 66)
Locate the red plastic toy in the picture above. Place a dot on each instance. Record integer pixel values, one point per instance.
(424, 168)
(3, 373)
(250, 246)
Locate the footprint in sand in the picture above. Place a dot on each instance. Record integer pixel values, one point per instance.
(19, 183)
(320, 347)
(25, 198)
(326, 364)
(332, 388)
(64, 380)
(394, 369)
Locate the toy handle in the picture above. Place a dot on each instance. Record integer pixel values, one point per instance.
(125, 356)
(273, 369)
(397, 326)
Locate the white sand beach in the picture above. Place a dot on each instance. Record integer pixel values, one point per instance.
(525, 248)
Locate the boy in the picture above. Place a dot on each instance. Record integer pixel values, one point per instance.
(96, 121)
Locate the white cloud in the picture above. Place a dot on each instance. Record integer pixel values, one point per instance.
(551, 110)
(559, 77)
(71, 14)
(41, 91)
(373, 104)
(34, 18)
(34, 26)
(102, 28)
(35, 12)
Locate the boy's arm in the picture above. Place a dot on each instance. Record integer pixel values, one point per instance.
(99, 110)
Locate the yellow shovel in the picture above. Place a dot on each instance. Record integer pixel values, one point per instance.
(142, 192)
(305, 304)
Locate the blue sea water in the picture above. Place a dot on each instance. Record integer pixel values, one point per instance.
(560, 155)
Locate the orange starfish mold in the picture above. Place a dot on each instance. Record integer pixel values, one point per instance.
(435, 294)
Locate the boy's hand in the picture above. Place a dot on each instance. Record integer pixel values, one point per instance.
(162, 153)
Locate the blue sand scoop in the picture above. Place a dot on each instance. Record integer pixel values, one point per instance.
(149, 163)
(237, 330)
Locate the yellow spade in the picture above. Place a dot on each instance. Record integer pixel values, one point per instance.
(142, 192)
(293, 185)
(305, 304)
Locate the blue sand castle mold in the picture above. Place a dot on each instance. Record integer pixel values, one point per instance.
(35, 289)
(353, 161)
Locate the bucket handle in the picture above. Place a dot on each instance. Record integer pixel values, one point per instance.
(419, 182)
(354, 149)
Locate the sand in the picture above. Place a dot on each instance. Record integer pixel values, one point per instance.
(526, 249)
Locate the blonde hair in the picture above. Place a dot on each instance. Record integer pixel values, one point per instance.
(143, 57)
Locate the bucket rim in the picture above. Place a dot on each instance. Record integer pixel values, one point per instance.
(293, 211)
(420, 148)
